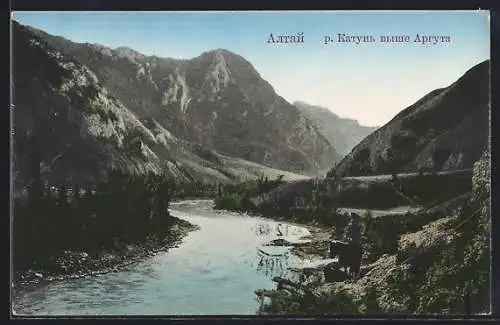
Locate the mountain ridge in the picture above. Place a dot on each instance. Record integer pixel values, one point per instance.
(183, 95)
(444, 130)
(171, 146)
(342, 133)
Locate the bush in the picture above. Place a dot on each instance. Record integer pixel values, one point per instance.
(326, 303)
(228, 202)
(237, 197)
(194, 189)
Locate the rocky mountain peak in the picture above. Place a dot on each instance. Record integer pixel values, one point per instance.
(126, 52)
(313, 107)
(217, 100)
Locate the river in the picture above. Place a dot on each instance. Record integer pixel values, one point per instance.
(215, 271)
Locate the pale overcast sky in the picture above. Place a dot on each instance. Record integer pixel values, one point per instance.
(369, 82)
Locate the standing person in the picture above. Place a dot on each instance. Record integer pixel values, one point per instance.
(353, 238)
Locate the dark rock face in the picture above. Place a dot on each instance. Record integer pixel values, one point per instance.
(448, 129)
(217, 100)
(66, 122)
(342, 133)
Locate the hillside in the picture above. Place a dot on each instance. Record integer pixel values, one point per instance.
(77, 114)
(217, 100)
(67, 122)
(342, 133)
(431, 261)
(445, 130)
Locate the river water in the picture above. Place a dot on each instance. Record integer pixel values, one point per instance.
(215, 271)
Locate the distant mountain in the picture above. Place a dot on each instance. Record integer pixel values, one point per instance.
(342, 133)
(217, 100)
(447, 129)
(81, 109)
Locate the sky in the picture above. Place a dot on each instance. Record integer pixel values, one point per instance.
(369, 82)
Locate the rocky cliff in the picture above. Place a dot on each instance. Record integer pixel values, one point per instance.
(445, 130)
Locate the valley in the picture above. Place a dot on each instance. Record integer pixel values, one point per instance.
(140, 181)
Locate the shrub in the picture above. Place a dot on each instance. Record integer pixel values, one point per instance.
(228, 202)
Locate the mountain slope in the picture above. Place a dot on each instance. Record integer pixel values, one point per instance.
(342, 133)
(69, 126)
(445, 130)
(217, 100)
(66, 121)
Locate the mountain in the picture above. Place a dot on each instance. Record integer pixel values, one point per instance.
(448, 129)
(68, 125)
(342, 133)
(82, 109)
(217, 100)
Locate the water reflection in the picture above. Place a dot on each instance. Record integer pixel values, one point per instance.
(279, 230)
(272, 266)
(263, 229)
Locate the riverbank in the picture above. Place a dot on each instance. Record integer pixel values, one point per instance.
(319, 244)
(191, 198)
(319, 238)
(402, 278)
(74, 265)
